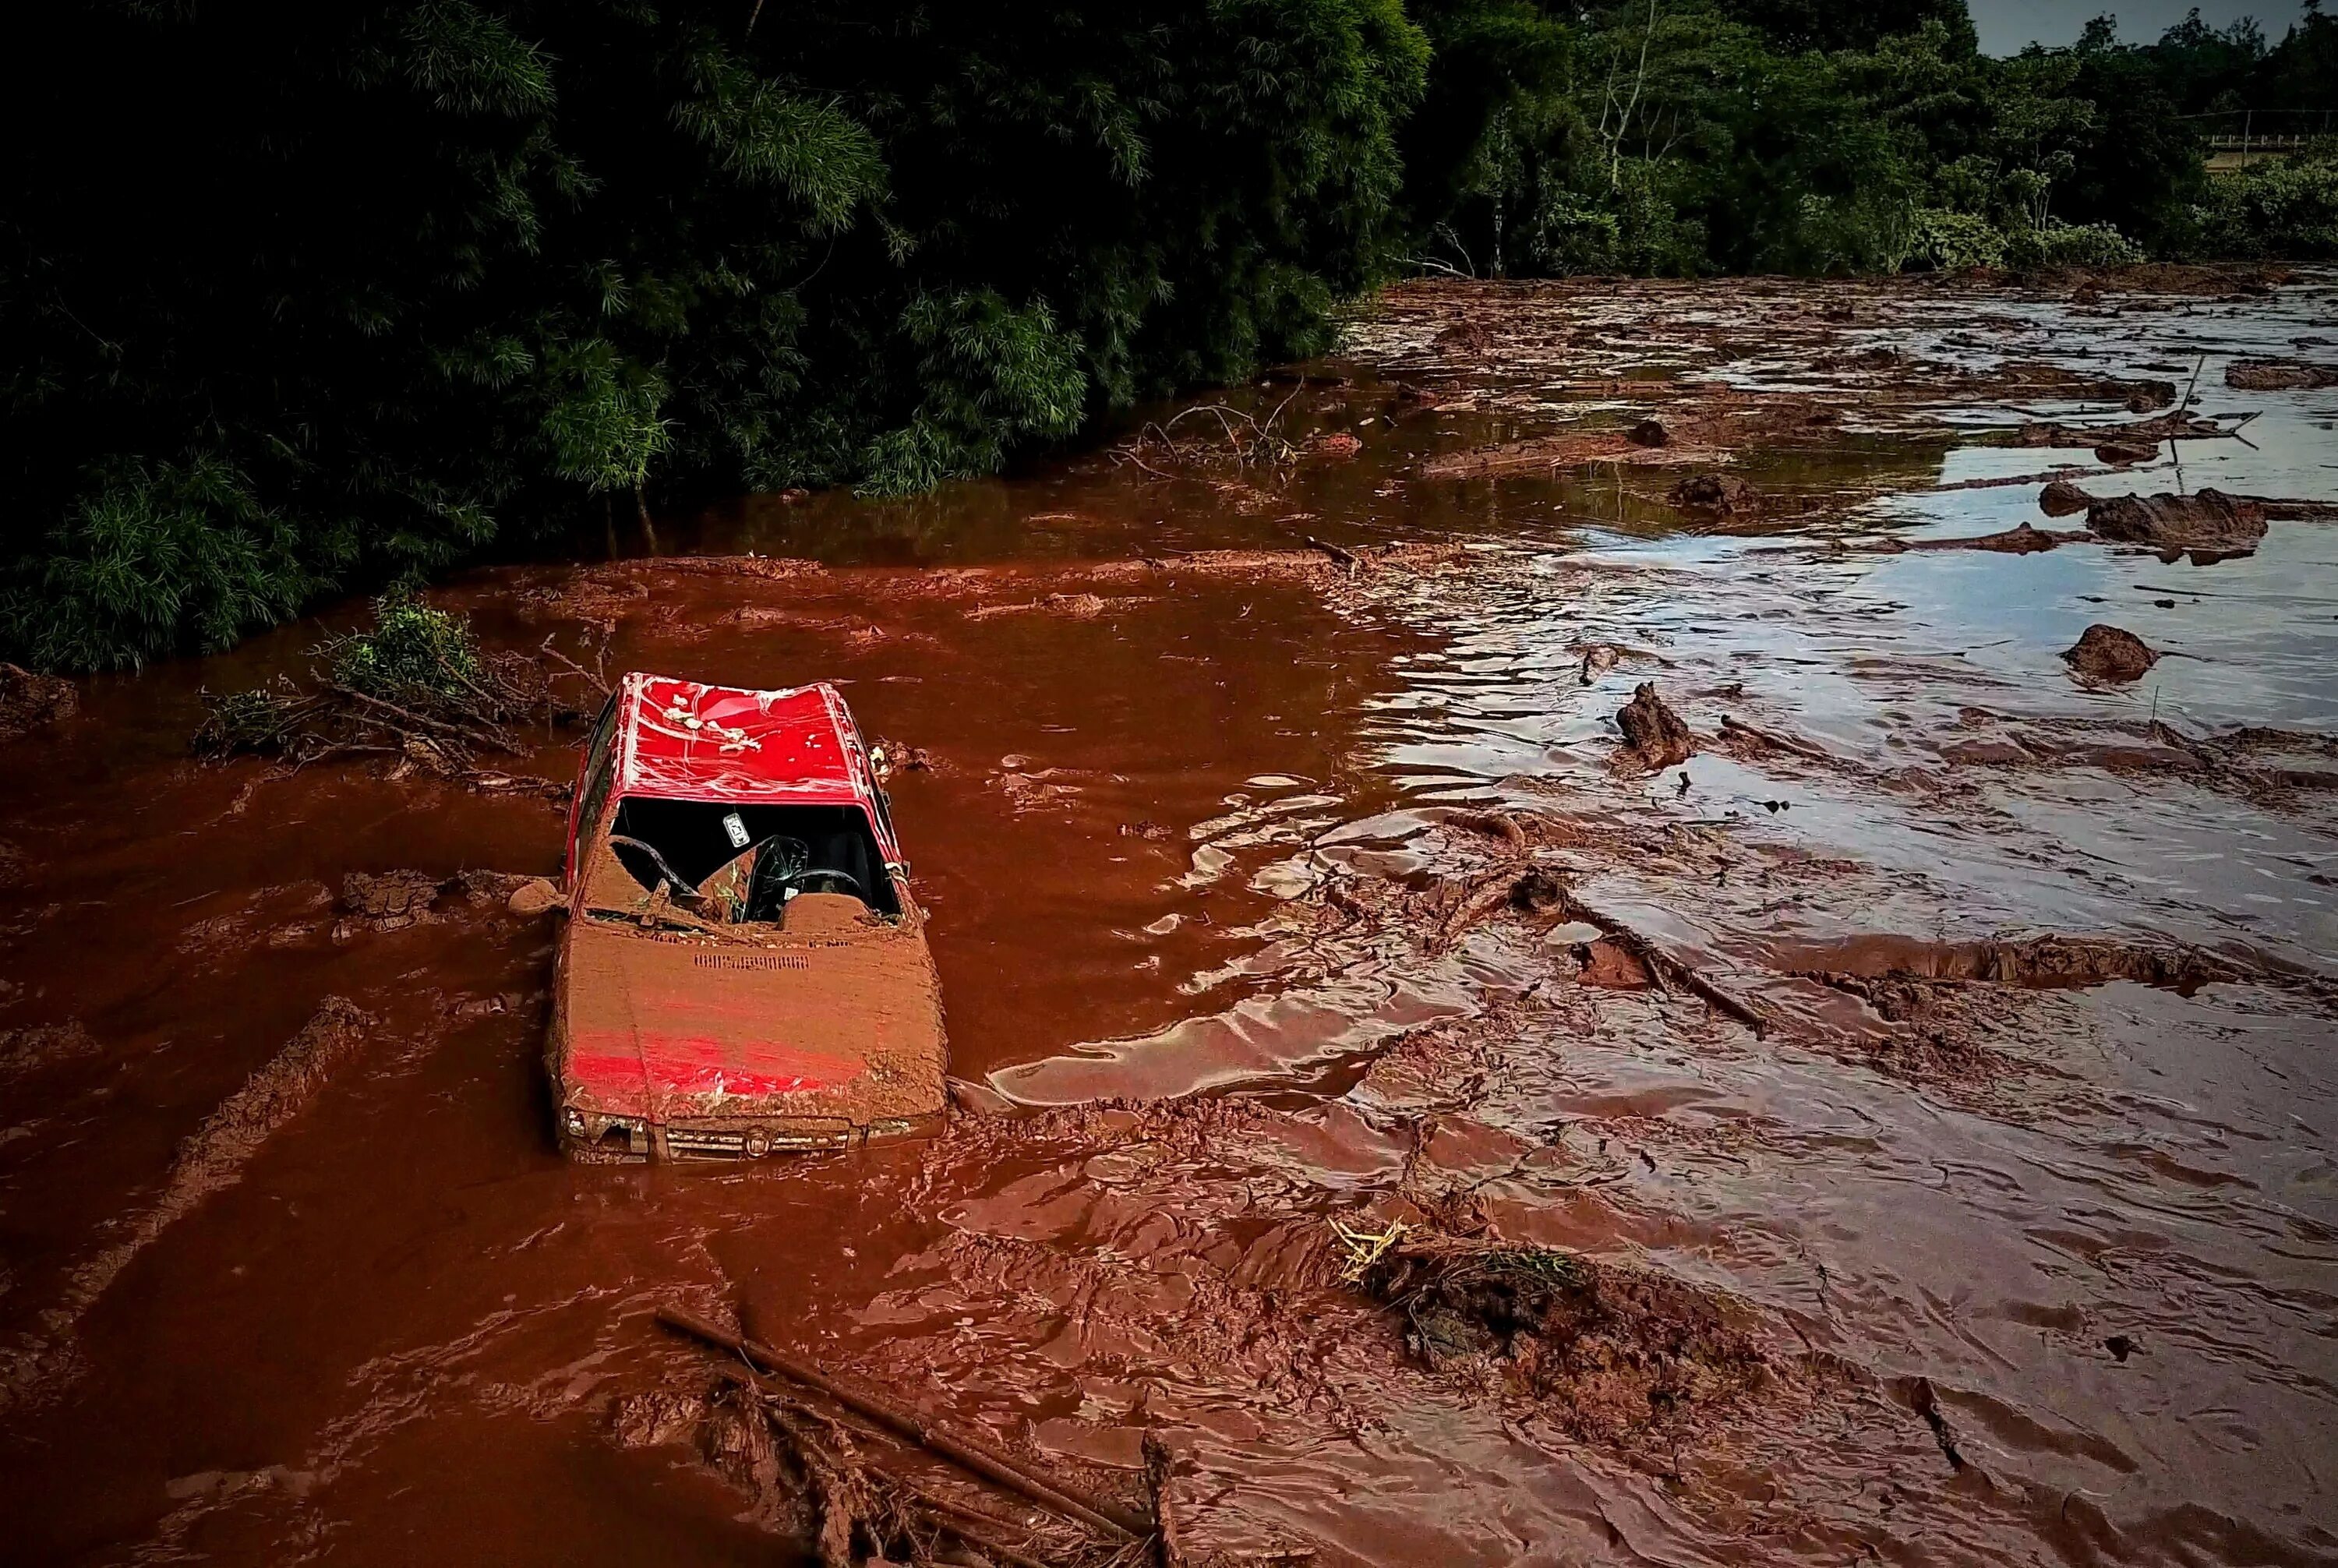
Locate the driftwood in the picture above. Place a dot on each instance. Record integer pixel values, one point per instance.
(1779, 742)
(969, 1452)
(1662, 964)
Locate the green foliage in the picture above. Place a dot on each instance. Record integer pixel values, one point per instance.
(1693, 136)
(2278, 209)
(2060, 244)
(414, 273)
(1948, 240)
(149, 560)
(412, 649)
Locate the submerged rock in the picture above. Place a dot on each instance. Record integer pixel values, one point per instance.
(2105, 652)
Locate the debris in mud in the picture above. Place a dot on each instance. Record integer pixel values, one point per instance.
(1654, 738)
(1734, 729)
(1074, 606)
(653, 1419)
(2209, 526)
(391, 900)
(1720, 495)
(2176, 426)
(29, 1050)
(886, 757)
(2125, 454)
(1537, 890)
(1649, 432)
(1609, 965)
(857, 1513)
(2279, 376)
(418, 687)
(2108, 654)
(1621, 1356)
(1212, 435)
(28, 700)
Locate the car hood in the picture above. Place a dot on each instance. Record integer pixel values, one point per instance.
(667, 1025)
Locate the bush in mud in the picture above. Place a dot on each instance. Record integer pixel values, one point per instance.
(257, 722)
(412, 648)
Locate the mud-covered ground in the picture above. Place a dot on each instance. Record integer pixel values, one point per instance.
(1875, 1108)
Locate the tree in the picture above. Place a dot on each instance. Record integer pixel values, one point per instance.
(298, 298)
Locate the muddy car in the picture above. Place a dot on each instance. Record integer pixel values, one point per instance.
(743, 971)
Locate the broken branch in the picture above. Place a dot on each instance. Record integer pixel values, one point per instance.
(969, 1454)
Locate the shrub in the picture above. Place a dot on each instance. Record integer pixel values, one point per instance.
(2279, 210)
(2070, 245)
(411, 648)
(161, 559)
(1951, 241)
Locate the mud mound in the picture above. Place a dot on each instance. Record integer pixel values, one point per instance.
(1613, 1355)
(28, 700)
(2108, 653)
(2052, 961)
(2279, 376)
(1654, 738)
(2063, 499)
(2209, 526)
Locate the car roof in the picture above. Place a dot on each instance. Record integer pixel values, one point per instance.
(686, 741)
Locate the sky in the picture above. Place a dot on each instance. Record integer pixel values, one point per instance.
(2007, 26)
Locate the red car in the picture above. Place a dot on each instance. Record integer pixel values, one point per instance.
(743, 970)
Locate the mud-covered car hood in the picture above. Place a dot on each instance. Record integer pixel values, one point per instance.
(663, 1027)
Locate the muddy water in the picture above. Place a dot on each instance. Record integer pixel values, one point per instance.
(2039, 1235)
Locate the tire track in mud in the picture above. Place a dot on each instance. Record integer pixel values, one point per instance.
(212, 1157)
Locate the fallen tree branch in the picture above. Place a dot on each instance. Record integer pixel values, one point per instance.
(1658, 961)
(967, 1452)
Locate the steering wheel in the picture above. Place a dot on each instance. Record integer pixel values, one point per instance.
(664, 872)
(834, 876)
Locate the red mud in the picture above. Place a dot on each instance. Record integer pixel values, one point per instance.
(1756, 1185)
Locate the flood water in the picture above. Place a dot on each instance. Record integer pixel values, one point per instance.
(2045, 1249)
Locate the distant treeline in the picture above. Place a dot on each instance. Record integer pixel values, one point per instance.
(298, 299)
(1679, 137)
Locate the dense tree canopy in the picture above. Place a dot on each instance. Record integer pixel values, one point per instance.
(296, 295)
(295, 298)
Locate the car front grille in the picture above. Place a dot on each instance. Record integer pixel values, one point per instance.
(752, 1142)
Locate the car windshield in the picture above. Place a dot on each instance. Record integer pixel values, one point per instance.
(734, 863)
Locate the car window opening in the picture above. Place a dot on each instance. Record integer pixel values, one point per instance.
(737, 863)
